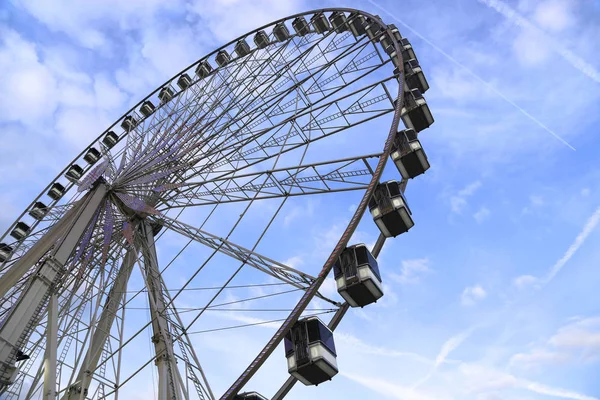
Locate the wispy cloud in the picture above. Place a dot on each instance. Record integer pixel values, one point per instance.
(459, 201)
(476, 76)
(588, 228)
(517, 19)
(412, 271)
(472, 294)
(448, 347)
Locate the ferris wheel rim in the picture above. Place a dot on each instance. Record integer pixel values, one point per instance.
(359, 212)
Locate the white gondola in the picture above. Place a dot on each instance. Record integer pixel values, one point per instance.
(357, 276)
(261, 40)
(242, 48)
(390, 210)
(20, 231)
(5, 251)
(373, 29)
(310, 351)
(56, 191)
(204, 68)
(395, 32)
(414, 76)
(320, 23)
(74, 173)
(222, 58)
(408, 154)
(301, 26)
(338, 21)
(415, 112)
(147, 108)
(281, 32)
(129, 123)
(38, 211)
(166, 94)
(184, 81)
(356, 23)
(110, 139)
(249, 396)
(92, 156)
(408, 52)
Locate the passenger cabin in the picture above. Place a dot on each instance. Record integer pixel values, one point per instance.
(249, 396)
(147, 108)
(5, 251)
(320, 23)
(92, 156)
(281, 32)
(74, 173)
(373, 30)
(166, 94)
(390, 210)
(20, 231)
(310, 351)
(38, 211)
(408, 154)
(407, 50)
(110, 139)
(129, 122)
(261, 40)
(415, 112)
(338, 21)
(301, 26)
(222, 58)
(357, 276)
(242, 48)
(414, 76)
(56, 191)
(395, 32)
(356, 23)
(184, 81)
(204, 69)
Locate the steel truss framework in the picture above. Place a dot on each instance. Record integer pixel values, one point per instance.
(239, 134)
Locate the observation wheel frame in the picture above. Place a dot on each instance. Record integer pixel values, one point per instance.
(312, 290)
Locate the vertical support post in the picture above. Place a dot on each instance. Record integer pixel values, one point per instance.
(113, 301)
(31, 305)
(169, 379)
(51, 349)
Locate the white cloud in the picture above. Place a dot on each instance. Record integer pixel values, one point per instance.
(582, 334)
(472, 294)
(223, 15)
(459, 201)
(482, 214)
(29, 86)
(412, 271)
(537, 358)
(524, 281)
(546, 14)
(554, 15)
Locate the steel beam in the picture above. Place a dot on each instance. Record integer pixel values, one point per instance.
(24, 315)
(101, 334)
(51, 350)
(169, 378)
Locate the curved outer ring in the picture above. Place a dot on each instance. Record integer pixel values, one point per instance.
(342, 243)
(312, 290)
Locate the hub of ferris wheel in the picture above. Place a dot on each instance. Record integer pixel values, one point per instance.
(125, 195)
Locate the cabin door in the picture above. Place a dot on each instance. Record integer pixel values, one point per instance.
(300, 340)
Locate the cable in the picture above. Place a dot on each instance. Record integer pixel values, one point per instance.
(182, 310)
(253, 324)
(215, 287)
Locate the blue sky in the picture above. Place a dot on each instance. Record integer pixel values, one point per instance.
(491, 296)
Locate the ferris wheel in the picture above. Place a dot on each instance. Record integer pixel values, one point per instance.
(252, 125)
